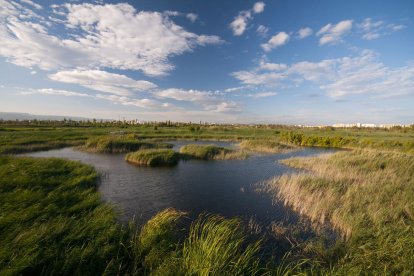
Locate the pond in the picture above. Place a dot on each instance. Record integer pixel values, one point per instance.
(223, 187)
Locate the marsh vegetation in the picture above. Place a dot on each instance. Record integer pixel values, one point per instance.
(367, 195)
(53, 220)
(153, 157)
(266, 146)
(117, 144)
(210, 152)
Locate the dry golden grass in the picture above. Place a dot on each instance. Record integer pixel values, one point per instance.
(365, 194)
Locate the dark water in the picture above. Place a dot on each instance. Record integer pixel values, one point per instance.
(222, 187)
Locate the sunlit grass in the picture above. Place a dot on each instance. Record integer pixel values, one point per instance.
(153, 157)
(266, 146)
(209, 152)
(368, 196)
(116, 144)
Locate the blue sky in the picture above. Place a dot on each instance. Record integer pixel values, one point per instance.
(293, 62)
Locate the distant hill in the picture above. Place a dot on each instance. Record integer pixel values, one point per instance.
(27, 116)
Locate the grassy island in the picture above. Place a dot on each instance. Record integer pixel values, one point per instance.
(210, 152)
(153, 157)
(108, 144)
(265, 146)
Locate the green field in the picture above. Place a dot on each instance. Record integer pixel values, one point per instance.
(53, 221)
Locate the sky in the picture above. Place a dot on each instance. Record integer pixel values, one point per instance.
(282, 62)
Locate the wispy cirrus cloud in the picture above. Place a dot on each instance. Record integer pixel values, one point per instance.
(103, 81)
(357, 75)
(208, 100)
(374, 29)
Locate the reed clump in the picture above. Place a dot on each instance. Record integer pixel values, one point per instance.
(368, 196)
(265, 146)
(210, 152)
(114, 144)
(153, 157)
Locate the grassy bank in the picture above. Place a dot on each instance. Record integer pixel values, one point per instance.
(53, 222)
(153, 157)
(266, 146)
(210, 152)
(368, 196)
(117, 144)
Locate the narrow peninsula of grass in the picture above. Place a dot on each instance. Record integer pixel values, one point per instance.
(368, 196)
(209, 152)
(115, 144)
(266, 146)
(153, 157)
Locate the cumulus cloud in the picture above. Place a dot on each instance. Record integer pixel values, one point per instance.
(371, 29)
(98, 36)
(304, 32)
(239, 24)
(192, 16)
(276, 41)
(333, 33)
(258, 7)
(361, 74)
(103, 81)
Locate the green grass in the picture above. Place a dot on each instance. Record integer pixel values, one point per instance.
(367, 195)
(153, 157)
(210, 152)
(20, 138)
(52, 219)
(266, 146)
(117, 144)
(53, 222)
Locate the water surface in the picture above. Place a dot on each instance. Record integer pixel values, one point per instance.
(224, 187)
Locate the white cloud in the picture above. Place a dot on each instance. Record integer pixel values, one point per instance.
(33, 72)
(103, 81)
(51, 91)
(98, 36)
(332, 34)
(362, 74)
(304, 32)
(262, 95)
(192, 16)
(239, 24)
(371, 29)
(126, 101)
(276, 41)
(256, 78)
(258, 7)
(207, 99)
(264, 65)
(33, 4)
(262, 31)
